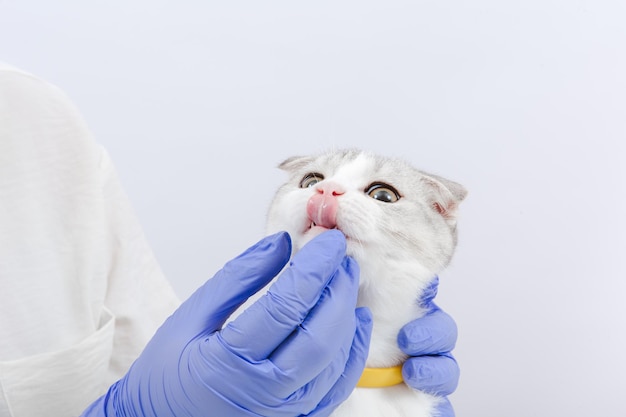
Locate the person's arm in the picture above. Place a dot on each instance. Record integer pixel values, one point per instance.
(81, 290)
(299, 350)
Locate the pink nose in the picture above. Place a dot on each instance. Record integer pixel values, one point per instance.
(322, 206)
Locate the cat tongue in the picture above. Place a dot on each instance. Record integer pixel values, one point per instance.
(322, 210)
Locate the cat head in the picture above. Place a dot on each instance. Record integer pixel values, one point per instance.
(389, 211)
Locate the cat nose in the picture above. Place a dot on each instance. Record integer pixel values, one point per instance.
(322, 206)
(330, 189)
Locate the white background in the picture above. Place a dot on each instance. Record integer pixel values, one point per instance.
(523, 102)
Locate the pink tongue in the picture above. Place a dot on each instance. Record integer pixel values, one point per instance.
(322, 210)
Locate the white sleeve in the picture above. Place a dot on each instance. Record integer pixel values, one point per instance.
(80, 290)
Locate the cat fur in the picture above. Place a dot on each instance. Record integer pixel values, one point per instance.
(400, 247)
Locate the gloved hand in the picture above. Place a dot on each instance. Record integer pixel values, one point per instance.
(299, 350)
(428, 341)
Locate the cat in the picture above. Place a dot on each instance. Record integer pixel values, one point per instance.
(400, 225)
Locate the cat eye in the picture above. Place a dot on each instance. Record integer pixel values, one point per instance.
(382, 192)
(311, 179)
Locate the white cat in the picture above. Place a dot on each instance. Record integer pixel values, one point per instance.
(400, 225)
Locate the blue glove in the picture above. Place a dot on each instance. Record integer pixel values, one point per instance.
(299, 350)
(428, 341)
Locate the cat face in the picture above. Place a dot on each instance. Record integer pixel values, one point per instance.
(389, 211)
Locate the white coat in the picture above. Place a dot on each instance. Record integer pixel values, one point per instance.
(80, 290)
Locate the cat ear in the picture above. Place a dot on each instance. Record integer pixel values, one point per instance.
(444, 195)
(294, 163)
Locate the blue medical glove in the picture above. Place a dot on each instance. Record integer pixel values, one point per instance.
(428, 341)
(299, 350)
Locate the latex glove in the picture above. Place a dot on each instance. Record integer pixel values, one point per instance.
(299, 350)
(428, 341)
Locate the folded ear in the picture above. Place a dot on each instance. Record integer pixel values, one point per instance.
(294, 163)
(444, 195)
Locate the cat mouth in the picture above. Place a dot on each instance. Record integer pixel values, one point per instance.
(316, 229)
(313, 224)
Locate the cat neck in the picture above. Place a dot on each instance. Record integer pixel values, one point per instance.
(391, 291)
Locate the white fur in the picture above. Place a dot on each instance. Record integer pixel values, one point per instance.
(399, 246)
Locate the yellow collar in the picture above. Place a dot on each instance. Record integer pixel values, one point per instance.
(380, 377)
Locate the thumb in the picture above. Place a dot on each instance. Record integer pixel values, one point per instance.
(209, 306)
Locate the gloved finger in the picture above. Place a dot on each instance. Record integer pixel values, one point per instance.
(329, 326)
(436, 375)
(323, 392)
(444, 409)
(272, 318)
(429, 294)
(209, 307)
(432, 334)
(344, 386)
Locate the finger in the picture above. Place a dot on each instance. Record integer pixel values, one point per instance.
(329, 326)
(444, 409)
(436, 375)
(270, 320)
(344, 386)
(432, 334)
(429, 294)
(219, 297)
(257, 385)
